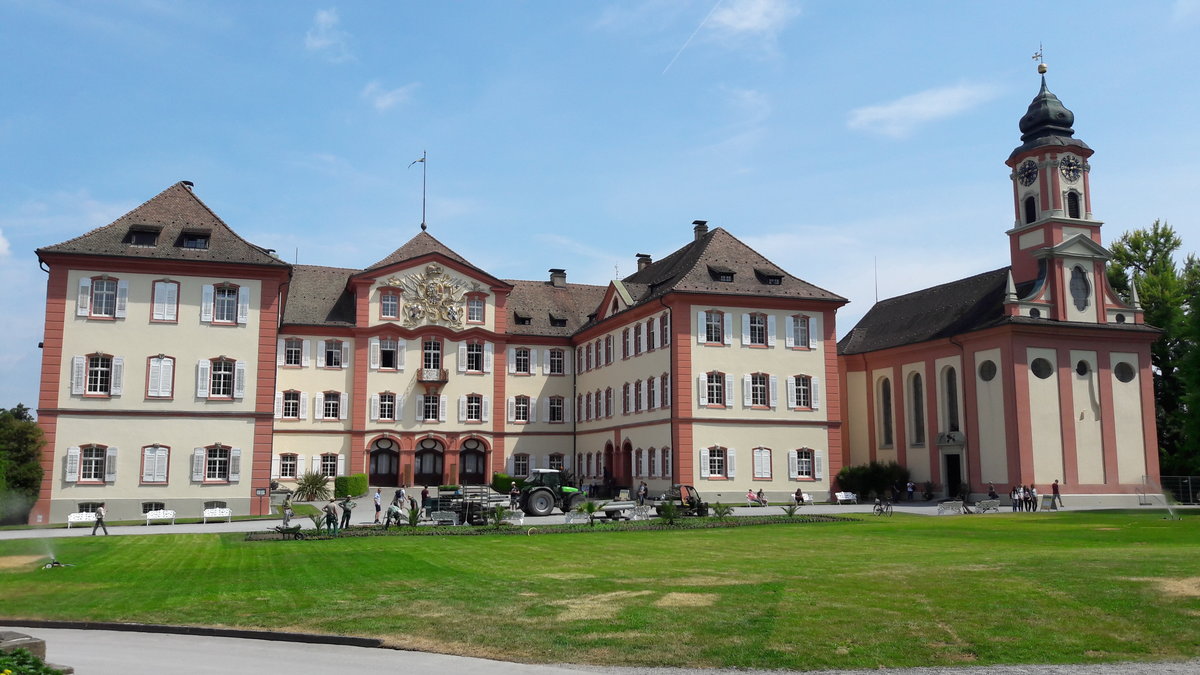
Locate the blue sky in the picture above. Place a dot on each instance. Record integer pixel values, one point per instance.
(832, 136)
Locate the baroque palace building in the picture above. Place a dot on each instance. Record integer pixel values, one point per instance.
(186, 368)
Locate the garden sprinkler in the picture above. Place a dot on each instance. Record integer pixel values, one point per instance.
(54, 563)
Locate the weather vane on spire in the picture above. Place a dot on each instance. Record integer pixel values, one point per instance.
(1037, 56)
(421, 161)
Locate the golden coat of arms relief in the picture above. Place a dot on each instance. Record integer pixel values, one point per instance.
(431, 298)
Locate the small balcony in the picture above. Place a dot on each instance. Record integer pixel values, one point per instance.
(431, 375)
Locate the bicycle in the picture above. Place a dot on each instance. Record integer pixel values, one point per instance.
(882, 508)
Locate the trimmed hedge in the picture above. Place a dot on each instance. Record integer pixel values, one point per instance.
(502, 482)
(350, 486)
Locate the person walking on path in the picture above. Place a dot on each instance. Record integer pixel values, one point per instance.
(1056, 497)
(514, 496)
(331, 518)
(347, 507)
(642, 493)
(378, 504)
(1032, 498)
(100, 520)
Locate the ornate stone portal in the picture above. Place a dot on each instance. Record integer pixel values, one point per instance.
(432, 297)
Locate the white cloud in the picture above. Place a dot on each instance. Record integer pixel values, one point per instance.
(5, 249)
(326, 38)
(383, 99)
(901, 117)
(752, 18)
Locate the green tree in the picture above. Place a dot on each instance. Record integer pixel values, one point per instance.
(1147, 259)
(20, 464)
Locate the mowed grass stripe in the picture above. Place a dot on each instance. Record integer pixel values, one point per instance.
(904, 591)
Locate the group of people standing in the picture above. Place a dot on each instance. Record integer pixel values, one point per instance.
(1025, 497)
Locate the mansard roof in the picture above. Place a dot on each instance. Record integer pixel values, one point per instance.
(697, 267)
(167, 219)
(318, 296)
(539, 301)
(963, 306)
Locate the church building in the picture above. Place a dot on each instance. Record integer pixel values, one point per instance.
(1025, 375)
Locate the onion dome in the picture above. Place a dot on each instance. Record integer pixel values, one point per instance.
(1047, 116)
(1047, 122)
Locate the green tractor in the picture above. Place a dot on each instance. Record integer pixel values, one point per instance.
(544, 490)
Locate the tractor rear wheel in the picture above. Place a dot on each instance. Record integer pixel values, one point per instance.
(539, 503)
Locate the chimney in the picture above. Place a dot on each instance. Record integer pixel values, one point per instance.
(701, 228)
(558, 278)
(643, 261)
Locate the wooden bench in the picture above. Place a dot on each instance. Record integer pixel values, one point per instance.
(160, 514)
(85, 517)
(217, 514)
(987, 505)
(444, 518)
(845, 497)
(950, 507)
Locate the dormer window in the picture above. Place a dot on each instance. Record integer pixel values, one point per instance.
(557, 321)
(522, 320)
(142, 236)
(720, 273)
(196, 240)
(769, 277)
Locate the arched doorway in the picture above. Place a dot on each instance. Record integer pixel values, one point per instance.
(472, 462)
(385, 463)
(607, 472)
(625, 467)
(428, 463)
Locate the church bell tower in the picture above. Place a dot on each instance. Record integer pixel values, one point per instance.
(1058, 260)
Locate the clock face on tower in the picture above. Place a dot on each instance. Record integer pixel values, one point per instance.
(1027, 172)
(1070, 166)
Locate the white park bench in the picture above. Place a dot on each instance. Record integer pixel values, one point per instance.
(986, 505)
(950, 507)
(217, 514)
(805, 498)
(515, 517)
(160, 514)
(845, 497)
(85, 517)
(576, 517)
(444, 518)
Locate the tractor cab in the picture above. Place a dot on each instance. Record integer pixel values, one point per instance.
(551, 478)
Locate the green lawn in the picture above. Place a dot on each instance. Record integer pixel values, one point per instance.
(904, 591)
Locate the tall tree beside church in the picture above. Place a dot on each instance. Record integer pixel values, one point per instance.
(20, 468)
(1148, 256)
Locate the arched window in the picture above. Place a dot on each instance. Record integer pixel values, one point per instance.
(950, 394)
(1030, 209)
(885, 412)
(916, 394)
(1073, 204)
